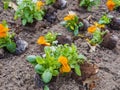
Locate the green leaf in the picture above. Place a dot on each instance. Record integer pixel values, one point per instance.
(40, 17)
(80, 24)
(77, 70)
(97, 37)
(11, 47)
(48, 2)
(55, 72)
(50, 37)
(6, 4)
(76, 31)
(30, 19)
(40, 60)
(4, 23)
(63, 23)
(24, 21)
(46, 76)
(104, 19)
(89, 3)
(81, 57)
(39, 69)
(32, 59)
(26, 14)
(46, 87)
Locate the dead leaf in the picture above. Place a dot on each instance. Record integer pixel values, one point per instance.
(13, 5)
(92, 85)
(90, 82)
(89, 76)
(88, 69)
(92, 48)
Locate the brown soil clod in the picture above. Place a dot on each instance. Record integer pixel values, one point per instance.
(30, 26)
(109, 41)
(60, 4)
(88, 78)
(64, 39)
(115, 23)
(50, 15)
(40, 25)
(88, 69)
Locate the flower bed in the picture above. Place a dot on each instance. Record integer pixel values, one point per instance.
(99, 42)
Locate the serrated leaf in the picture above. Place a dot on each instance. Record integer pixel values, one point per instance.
(46, 76)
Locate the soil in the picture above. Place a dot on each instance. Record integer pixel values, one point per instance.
(17, 74)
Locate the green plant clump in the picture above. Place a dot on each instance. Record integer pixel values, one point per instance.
(105, 19)
(48, 65)
(89, 3)
(28, 11)
(97, 37)
(6, 38)
(72, 23)
(50, 37)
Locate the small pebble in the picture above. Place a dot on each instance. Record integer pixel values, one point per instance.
(21, 46)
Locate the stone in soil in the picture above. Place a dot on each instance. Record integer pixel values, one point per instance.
(86, 24)
(22, 45)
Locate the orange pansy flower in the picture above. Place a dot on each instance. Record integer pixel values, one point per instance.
(110, 4)
(42, 41)
(39, 5)
(64, 61)
(65, 68)
(92, 29)
(3, 31)
(69, 17)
